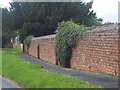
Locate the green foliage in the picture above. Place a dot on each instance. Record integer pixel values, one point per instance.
(37, 19)
(42, 18)
(67, 33)
(108, 23)
(7, 28)
(27, 40)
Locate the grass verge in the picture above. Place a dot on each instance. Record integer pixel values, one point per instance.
(0, 64)
(17, 50)
(32, 76)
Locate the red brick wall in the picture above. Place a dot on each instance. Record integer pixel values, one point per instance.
(33, 48)
(47, 51)
(46, 48)
(96, 51)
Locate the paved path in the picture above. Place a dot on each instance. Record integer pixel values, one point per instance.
(0, 50)
(105, 81)
(6, 83)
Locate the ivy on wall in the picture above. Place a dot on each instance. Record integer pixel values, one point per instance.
(65, 40)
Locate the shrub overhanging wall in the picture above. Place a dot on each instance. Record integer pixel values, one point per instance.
(65, 40)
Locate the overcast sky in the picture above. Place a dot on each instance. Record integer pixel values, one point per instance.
(105, 9)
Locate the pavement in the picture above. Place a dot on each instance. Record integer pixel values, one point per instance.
(6, 84)
(103, 80)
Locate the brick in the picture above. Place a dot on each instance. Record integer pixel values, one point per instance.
(97, 51)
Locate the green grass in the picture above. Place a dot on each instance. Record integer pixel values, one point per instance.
(18, 50)
(0, 64)
(32, 76)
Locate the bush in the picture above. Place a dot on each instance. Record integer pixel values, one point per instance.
(65, 40)
(27, 42)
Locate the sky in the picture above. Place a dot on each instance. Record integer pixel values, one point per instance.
(105, 9)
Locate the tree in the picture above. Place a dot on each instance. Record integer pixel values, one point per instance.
(8, 30)
(37, 19)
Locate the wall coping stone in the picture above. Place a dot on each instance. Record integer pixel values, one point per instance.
(44, 37)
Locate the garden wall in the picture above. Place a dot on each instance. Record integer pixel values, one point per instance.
(43, 48)
(96, 51)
